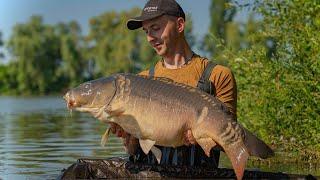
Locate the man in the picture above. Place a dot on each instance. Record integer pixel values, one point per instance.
(164, 23)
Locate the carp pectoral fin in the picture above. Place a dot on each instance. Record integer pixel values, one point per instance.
(206, 144)
(157, 153)
(129, 124)
(105, 137)
(146, 145)
(238, 157)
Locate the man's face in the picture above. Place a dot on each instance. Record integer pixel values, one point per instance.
(162, 34)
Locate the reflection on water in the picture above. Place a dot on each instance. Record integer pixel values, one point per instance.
(39, 138)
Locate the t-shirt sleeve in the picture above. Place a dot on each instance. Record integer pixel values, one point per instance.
(226, 88)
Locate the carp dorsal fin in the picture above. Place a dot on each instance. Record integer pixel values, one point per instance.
(164, 79)
(146, 145)
(123, 87)
(105, 137)
(206, 144)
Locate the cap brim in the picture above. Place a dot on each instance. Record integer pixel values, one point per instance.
(136, 22)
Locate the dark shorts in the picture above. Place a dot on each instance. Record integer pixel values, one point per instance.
(184, 155)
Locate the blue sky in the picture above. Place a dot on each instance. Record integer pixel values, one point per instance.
(53, 11)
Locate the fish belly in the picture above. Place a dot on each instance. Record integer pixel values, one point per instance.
(161, 123)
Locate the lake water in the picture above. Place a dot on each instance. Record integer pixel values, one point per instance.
(39, 137)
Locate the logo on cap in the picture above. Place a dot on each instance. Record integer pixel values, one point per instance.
(151, 9)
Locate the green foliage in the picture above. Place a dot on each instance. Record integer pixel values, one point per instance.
(72, 67)
(8, 82)
(279, 91)
(51, 58)
(1, 44)
(276, 64)
(3, 77)
(114, 48)
(35, 50)
(222, 29)
(45, 59)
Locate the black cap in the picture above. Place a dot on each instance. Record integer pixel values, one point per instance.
(156, 8)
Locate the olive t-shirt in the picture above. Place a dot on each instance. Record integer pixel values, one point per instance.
(221, 77)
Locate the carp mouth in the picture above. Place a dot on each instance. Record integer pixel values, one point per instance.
(72, 104)
(70, 101)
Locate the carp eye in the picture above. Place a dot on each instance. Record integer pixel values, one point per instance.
(87, 90)
(87, 85)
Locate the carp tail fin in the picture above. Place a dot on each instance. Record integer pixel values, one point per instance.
(257, 147)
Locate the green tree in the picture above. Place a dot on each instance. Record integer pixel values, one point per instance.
(279, 90)
(73, 64)
(111, 44)
(3, 74)
(35, 49)
(222, 29)
(8, 81)
(50, 58)
(1, 44)
(2, 69)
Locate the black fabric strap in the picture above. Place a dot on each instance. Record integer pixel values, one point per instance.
(204, 82)
(151, 71)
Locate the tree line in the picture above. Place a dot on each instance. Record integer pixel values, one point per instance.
(275, 60)
(49, 58)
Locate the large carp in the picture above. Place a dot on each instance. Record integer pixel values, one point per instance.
(158, 111)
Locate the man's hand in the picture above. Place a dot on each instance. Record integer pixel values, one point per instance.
(116, 129)
(188, 138)
(130, 143)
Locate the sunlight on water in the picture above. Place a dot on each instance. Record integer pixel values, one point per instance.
(39, 138)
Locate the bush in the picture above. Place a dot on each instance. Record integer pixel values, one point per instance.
(279, 93)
